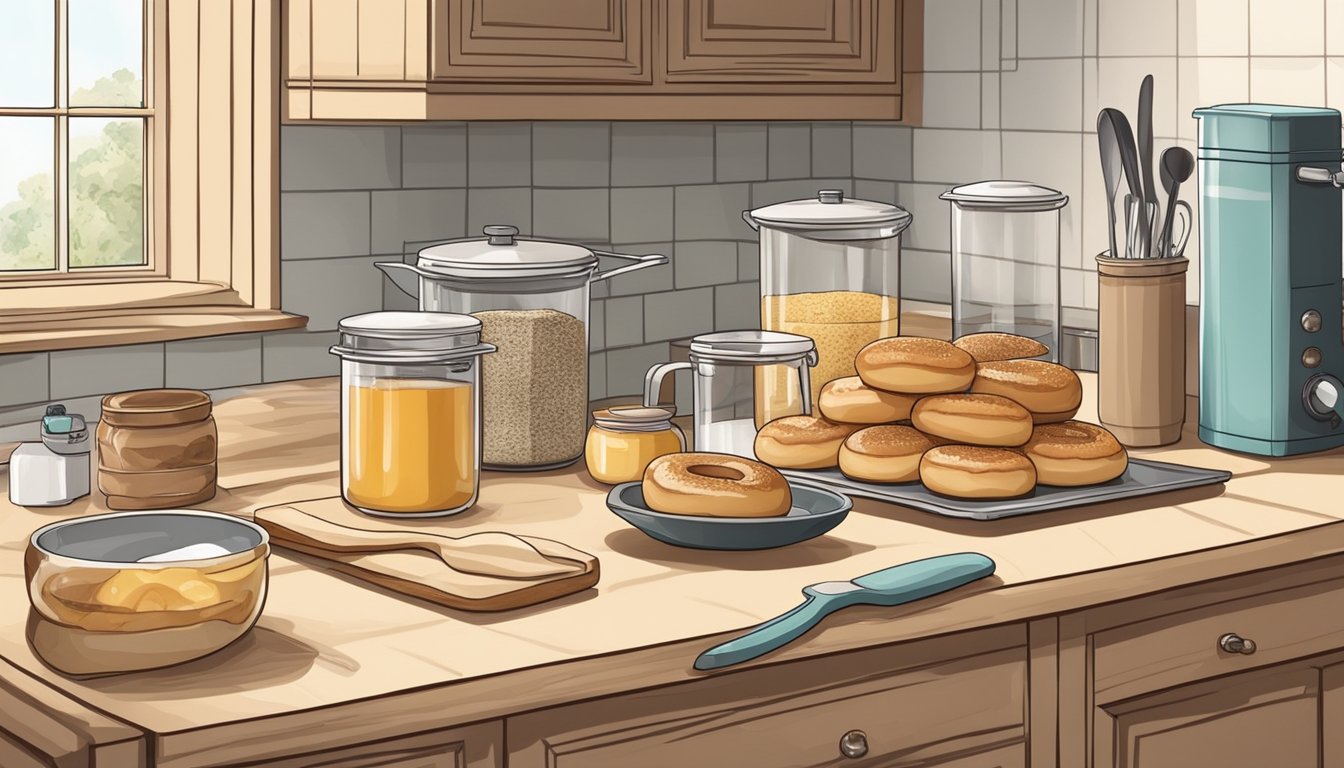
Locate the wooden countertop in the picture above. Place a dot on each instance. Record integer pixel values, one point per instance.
(335, 655)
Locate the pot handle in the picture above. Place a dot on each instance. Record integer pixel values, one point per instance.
(396, 271)
(653, 380)
(751, 222)
(641, 262)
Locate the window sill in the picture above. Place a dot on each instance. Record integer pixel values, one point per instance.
(52, 317)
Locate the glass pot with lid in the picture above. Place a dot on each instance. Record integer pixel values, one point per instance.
(531, 297)
(831, 271)
(741, 380)
(1005, 260)
(410, 412)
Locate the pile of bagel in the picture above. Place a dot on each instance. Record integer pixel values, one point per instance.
(975, 418)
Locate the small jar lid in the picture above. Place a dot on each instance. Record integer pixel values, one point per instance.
(409, 337)
(634, 418)
(752, 346)
(155, 407)
(829, 216)
(1008, 196)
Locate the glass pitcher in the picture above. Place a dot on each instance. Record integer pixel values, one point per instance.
(740, 380)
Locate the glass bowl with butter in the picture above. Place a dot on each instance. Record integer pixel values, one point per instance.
(138, 590)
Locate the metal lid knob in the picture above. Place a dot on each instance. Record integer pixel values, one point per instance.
(854, 744)
(500, 234)
(831, 195)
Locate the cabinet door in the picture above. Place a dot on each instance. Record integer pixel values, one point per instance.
(784, 41)
(530, 41)
(1255, 719)
(475, 746)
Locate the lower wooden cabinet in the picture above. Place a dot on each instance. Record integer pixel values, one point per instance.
(955, 702)
(472, 746)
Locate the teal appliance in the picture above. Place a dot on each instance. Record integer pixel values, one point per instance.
(1271, 357)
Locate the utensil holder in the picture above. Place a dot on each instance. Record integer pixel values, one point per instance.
(1141, 349)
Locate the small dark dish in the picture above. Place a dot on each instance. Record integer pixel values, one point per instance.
(815, 511)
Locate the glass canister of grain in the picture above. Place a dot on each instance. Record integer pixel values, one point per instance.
(624, 439)
(410, 412)
(531, 297)
(831, 270)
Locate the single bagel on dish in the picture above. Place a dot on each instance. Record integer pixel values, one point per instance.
(915, 365)
(885, 454)
(991, 347)
(850, 401)
(1050, 391)
(801, 442)
(975, 419)
(975, 472)
(715, 485)
(1075, 453)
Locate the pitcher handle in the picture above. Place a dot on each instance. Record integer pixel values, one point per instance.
(653, 380)
(394, 271)
(653, 259)
(751, 222)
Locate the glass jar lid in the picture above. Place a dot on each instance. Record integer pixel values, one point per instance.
(752, 347)
(409, 337)
(634, 418)
(1010, 196)
(501, 254)
(829, 216)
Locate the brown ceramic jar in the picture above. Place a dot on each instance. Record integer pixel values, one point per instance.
(157, 449)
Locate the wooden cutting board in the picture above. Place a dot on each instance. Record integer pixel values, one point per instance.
(303, 527)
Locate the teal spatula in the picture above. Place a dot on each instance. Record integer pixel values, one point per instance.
(890, 586)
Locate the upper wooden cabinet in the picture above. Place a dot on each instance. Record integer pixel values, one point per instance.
(597, 59)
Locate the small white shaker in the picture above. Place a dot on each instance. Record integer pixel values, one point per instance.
(55, 471)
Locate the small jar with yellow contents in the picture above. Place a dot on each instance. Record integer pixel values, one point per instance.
(623, 440)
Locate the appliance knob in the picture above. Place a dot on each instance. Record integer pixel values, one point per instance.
(1324, 398)
(1311, 321)
(1311, 357)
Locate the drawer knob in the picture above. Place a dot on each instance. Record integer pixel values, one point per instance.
(1234, 643)
(854, 744)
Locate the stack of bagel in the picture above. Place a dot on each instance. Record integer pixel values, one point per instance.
(975, 418)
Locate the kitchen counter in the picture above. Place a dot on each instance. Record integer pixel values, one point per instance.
(333, 661)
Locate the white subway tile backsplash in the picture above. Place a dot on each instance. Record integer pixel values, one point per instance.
(326, 290)
(625, 321)
(789, 147)
(1043, 94)
(713, 212)
(416, 214)
(705, 263)
(1288, 80)
(947, 47)
(930, 227)
(678, 314)
(1334, 82)
(1205, 82)
(571, 154)
(597, 324)
(883, 151)
(991, 17)
(434, 155)
(1214, 27)
(1136, 27)
(1049, 29)
(952, 100)
(23, 378)
(499, 205)
(314, 157)
(225, 361)
(656, 154)
(597, 376)
(1334, 28)
(1118, 81)
(1007, 36)
(321, 225)
(572, 214)
(926, 275)
(1090, 211)
(79, 372)
(832, 149)
(990, 84)
(626, 368)
(881, 191)
(737, 307)
(956, 157)
(749, 260)
(1089, 27)
(1053, 160)
(641, 215)
(499, 154)
(1287, 27)
(291, 355)
(740, 152)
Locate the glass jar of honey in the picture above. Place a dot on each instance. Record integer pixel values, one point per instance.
(410, 412)
(623, 440)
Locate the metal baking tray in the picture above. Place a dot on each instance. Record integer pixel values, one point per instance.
(1141, 478)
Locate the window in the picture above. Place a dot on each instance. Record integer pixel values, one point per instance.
(76, 116)
(139, 162)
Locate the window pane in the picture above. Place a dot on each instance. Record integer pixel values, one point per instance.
(27, 193)
(106, 55)
(107, 181)
(27, 53)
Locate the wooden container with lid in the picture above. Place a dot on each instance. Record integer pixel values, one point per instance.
(157, 448)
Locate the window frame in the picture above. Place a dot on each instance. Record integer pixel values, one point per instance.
(213, 166)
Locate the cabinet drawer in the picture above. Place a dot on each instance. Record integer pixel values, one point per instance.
(1179, 648)
(964, 707)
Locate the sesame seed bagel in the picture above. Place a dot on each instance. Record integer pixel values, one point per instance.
(991, 347)
(801, 442)
(885, 454)
(915, 365)
(974, 472)
(976, 419)
(1075, 453)
(715, 485)
(850, 401)
(1050, 391)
